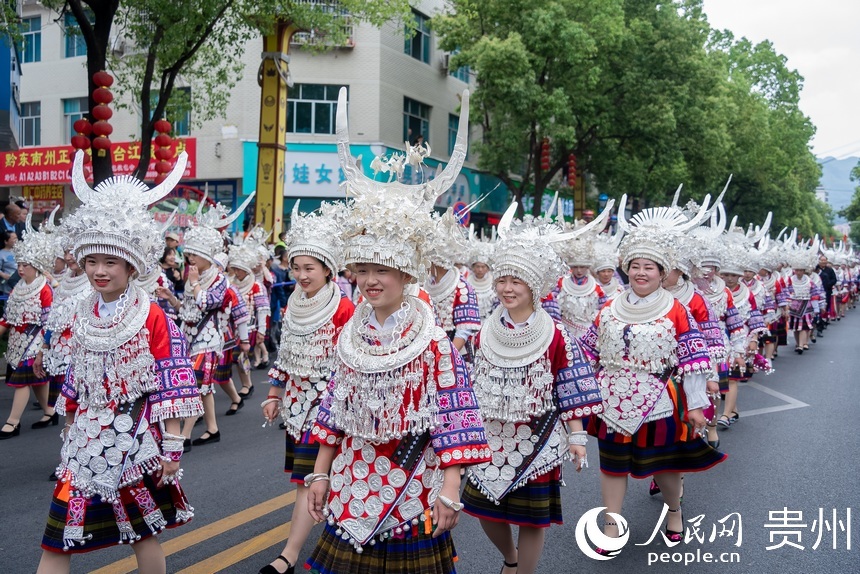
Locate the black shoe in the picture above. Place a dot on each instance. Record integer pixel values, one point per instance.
(269, 569)
(207, 437)
(262, 365)
(16, 430)
(247, 394)
(198, 421)
(653, 488)
(51, 420)
(282, 426)
(506, 564)
(231, 411)
(186, 445)
(53, 477)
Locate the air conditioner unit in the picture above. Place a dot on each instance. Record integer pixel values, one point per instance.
(444, 60)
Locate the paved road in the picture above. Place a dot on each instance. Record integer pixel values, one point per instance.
(795, 447)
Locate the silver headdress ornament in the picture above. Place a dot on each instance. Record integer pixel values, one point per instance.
(527, 249)
(656, 233)
(390, 223)
(205, 237)
(318, 234)
(480, 249)
(149, 280)
(802, 255)
(114, 218)
(38, 248)
(581, 250)
(244, 254)
(739, 252)
(606, 250)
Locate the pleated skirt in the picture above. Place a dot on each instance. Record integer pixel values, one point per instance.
(23, 376)
(666, 445)
(299, 458)
(100, 519)
(417, 553)
(537, 504)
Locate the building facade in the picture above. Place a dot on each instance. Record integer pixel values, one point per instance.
(399, 88)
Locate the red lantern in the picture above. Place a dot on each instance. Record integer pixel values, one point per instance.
(162, 126)
(160, 177)
(163, 140)
(102, 128)
(103, 79)
(164, 154)
(544, 154)
(102, 112)
(162, 166)
(102, 144)
(83, 126)
(102, 96)
(571, 171)
(80, 142)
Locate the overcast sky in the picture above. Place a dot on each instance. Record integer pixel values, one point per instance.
(821, 40)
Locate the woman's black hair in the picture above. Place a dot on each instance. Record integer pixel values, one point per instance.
(5, 236)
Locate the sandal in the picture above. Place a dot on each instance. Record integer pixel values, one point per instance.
(673, 535)
(506, 564)
(601, 551)
(269, 569)
(724, 421)
(653, 488)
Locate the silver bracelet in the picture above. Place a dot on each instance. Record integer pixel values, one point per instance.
(172, 478)
(577, 439)
(315, 477)
(172, 445)
(455, 506)
(268, 401)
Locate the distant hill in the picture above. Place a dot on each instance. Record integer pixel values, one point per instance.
(836, 179)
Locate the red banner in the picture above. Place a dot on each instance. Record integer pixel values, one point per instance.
(43, 198)
(45, 165)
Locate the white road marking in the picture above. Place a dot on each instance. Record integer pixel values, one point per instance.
(791, 403)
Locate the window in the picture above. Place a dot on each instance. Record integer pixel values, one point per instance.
(31, 123)
(75, 45)
(73, 110)
(418, 44)
(312, 109)
(31, 46)
(453, 122)
(461, 73)
(416, 120)
(178, 111)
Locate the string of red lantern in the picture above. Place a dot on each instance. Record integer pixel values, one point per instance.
(163, 151)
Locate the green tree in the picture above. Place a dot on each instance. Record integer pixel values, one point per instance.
(852, 211)
(202, 44)
(645, 94)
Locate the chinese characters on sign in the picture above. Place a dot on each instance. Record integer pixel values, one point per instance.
(786, 528)
(43, 198)
(51, 165)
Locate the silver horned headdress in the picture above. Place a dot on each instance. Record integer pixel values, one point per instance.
(205, 238)
(390, 223)
(39, 248)
(318, 234)
(114, 218)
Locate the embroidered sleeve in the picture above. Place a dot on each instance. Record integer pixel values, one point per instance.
(550, 305)
(46, 297)
(756, 323)
(213, 298)
(693, 355)
(176, 395)
(324, 431)
(261, 299)
(734, 322)
(67, 402)
(459, 436)
(815, 291)
(709, 325)
(588, 341)
(467, 313)
(238, 310)
(576, 389)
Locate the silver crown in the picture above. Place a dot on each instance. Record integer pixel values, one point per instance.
(38, 248)
(318, 234)
(114, 218)
(205, 238)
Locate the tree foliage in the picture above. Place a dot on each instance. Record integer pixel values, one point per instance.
(645, 94)
(174, 44)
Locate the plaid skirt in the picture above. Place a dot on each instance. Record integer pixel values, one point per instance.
(100, 520)
(723, 374)
(665, 445)
(223, 368)
(537, 504)
(54, 389)
(23, 375)
(299, 458)
(416, 553)
(800, 315)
